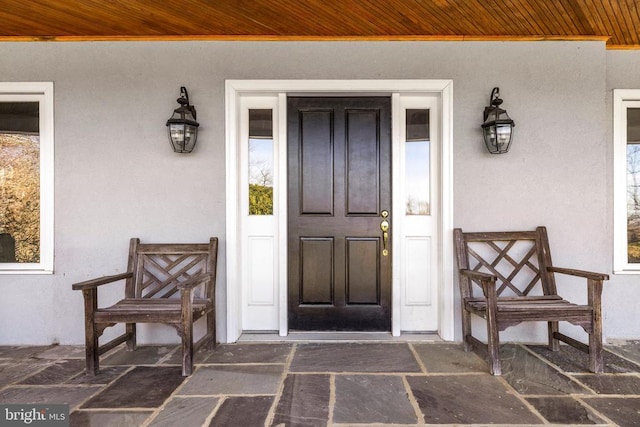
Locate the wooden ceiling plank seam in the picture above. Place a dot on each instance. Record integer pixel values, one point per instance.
(350, 22)
(593, 14)
(559, 25)
(24, 18)
(259, 17)
(400, 24)
(539, 15)
(566, 18)
(627, 30)
(607, 26)
(323, 17)
(507, 24)
(634, 9)
(365, 14)
(616, 34)
(478, 25)
(440, 18)
(518, 18)
(619, 26)
(525, 25)
(585, 26)
(198, 20)
(630, 29)
(495, 23)
(571, 19)
(428, 18)
(392, 23)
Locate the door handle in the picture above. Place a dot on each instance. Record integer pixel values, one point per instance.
(384, 226)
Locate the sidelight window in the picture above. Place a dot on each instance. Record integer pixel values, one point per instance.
(417, 159)
(260, 162)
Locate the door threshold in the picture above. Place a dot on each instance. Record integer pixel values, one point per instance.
(338, 336)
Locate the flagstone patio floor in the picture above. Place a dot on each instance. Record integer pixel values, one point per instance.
(328, 383)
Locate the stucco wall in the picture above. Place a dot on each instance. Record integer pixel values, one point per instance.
(116, 176)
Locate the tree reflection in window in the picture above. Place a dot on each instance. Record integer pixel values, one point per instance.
(633, 185)
(260, 162)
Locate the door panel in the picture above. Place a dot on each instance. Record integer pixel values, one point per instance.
(316, 267)
(363, 282)
(339, 167)
(316, 163)
(362, 162)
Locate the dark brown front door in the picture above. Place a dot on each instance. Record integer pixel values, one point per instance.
(339, 173)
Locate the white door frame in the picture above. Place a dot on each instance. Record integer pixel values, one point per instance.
(234, 89)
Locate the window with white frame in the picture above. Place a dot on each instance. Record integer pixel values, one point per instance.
(626, 135)
(26, 177)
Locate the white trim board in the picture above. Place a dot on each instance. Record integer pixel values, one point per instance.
(234, 90)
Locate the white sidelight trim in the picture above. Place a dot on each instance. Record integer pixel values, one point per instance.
(235, 89)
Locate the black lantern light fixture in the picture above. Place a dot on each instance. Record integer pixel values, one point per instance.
(182, 126)
(497, 128)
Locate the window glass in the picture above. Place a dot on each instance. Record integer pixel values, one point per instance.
(26, 177)
(260, 162)
(633, 185)
(417, 159)
(19, 182)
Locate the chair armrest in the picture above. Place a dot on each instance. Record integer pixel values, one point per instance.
(94, 283)
(579, 273)
(487, 282)
(195, 281)
(478, 275)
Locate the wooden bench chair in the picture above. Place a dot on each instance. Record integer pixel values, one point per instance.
(510, 268)
(161, 286)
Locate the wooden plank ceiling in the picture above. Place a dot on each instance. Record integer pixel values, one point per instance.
(617, 21)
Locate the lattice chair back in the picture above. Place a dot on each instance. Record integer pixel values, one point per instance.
(159, 268)
(518, 259)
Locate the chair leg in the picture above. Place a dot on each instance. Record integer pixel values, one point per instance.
(131, 336)
(493, 342)
(211, 330)
(466, 329)
(493, 348)
(187, 349)
(92, 354)
(554, 344)
(596, 363)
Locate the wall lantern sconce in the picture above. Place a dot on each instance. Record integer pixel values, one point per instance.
(182, 126)
(497, 128)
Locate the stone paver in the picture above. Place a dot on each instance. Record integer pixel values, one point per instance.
(372, 399)
(185, 411)
(234, 379)
(354, 357)
(320, 384)
(468, 399)
(305, 400)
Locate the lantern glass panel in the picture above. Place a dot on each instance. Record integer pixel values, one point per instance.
(503, 135)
